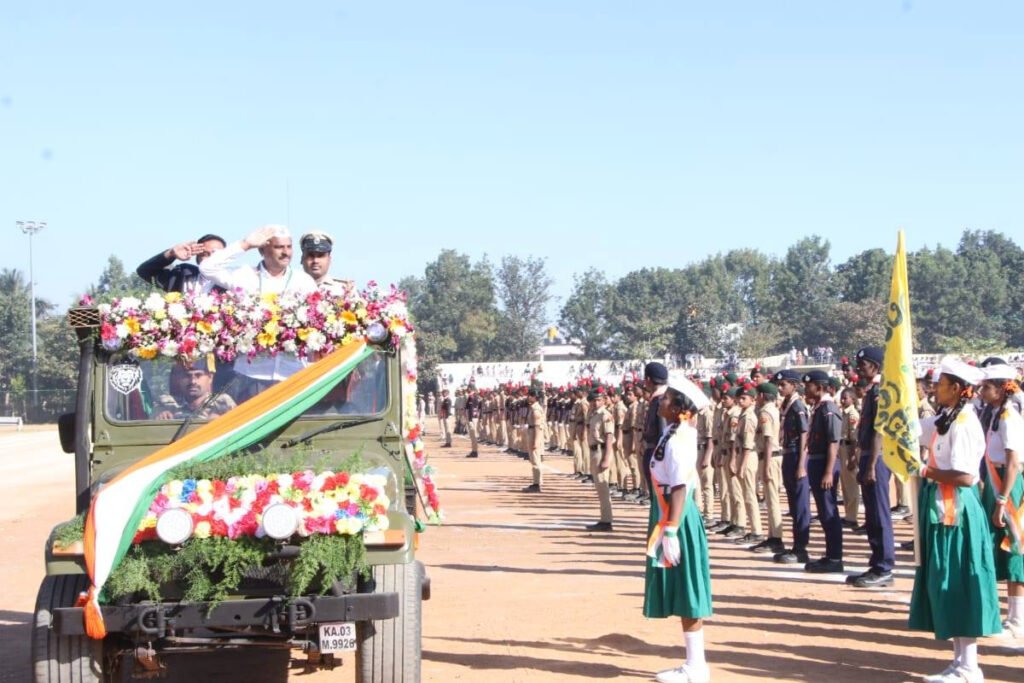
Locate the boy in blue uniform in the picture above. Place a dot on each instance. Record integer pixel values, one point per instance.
(823, 469)
(794, 465)
(873, 475)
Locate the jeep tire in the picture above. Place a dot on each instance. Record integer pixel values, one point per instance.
(388, 651)
(63, 659)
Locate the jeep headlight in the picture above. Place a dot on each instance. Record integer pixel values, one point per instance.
(376, 333)
(280, 521)
(174, 526)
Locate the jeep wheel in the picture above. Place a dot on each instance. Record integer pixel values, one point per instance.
(63, 659)
(389, 650)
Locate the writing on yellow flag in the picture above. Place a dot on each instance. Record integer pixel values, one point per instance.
(896, 420)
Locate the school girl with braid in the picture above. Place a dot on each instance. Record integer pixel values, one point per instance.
(1003, 495)
(677, 582)
(955, 586)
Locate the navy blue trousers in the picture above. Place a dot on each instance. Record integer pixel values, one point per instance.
(878, 516)
(798, 496)
(828, 511)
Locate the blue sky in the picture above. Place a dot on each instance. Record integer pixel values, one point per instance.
(605, 134)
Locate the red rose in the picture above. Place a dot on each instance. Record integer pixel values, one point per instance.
(342, 479)
(218, 527)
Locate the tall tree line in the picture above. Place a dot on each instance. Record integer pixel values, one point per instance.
(745, 302)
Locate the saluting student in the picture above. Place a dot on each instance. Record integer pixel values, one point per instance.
(677, 579)
(955, 587)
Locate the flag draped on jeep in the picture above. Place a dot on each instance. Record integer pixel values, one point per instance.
(119, 506)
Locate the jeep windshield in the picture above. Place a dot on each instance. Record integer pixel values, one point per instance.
(165, 389)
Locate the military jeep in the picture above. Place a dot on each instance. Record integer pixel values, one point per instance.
(126, 409)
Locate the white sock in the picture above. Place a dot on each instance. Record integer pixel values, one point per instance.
(1016, 608)
(957, 651)
(969, 653)
(695, 649)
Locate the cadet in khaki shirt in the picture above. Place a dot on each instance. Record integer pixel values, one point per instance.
(621, 464)
(730, 424)
(745, 464)
(601, 441)
(770, 460)
(706, 492)
(718, 460)
(848, 458)
(535, 438)
(628, 451)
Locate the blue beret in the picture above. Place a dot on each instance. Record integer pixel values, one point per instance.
(819, 376)
(872, 354)
(656, 372)
(786, 375)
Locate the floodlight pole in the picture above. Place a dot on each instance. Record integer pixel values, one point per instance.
(30, 228)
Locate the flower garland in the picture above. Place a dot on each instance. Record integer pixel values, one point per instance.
(326, 503)
(233, 324)
(422, 470)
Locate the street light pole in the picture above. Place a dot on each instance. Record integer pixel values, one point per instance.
(30, 228)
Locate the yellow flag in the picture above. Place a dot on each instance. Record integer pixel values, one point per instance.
(896, 420)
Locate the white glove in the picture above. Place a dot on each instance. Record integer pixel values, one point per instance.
(670, 546)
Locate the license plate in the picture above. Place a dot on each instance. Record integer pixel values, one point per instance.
(338, 637)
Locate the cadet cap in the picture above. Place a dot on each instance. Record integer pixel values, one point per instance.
(818, 376)
(872, 354)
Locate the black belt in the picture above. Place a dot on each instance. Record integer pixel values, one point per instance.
(531, 427)
(848, 442)
(594, 448)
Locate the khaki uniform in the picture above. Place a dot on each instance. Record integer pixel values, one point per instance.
(718, 426)
(746, 454)
(621, 466)
(706, 492)
(580, 455)
(732, 424)
(771, 466)
(601, 431)
(628, 450)
(534, 429)
(848, 477)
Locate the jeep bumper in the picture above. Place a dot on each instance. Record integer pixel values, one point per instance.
(277, 614)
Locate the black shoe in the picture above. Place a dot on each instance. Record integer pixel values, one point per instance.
(770, 545)
(587, 479)
(849, 525)
(720, 527)
(473, 454)
(824, 566)
(600, 526)
(907, 545)
(749, 539)
(900, 512)
(736, 532)
(872, 579)
(791, 557)
(726, 529)
(532, 488)
(860, 529)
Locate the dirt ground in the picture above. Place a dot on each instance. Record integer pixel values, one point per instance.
(522, 593)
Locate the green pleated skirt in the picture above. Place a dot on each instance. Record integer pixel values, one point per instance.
(683, 590)
(955, 586)
(1009, 566)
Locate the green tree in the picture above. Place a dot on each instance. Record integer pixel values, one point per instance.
(806, 290)
(645, 307)
(585, 316)
(115, 281)
(454, 310)
(524, 288)
(15, 325)
(865, 276)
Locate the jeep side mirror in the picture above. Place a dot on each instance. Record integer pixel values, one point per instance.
(66, 431)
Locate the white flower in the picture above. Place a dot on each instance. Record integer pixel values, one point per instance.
(130, 303)
(289, 346)
(154, 302)
(177, 311)
(170, 348)
(122, 330)
(315, 340)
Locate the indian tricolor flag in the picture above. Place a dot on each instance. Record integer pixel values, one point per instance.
(118, 508)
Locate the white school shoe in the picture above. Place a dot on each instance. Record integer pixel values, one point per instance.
(948, 675)
(684, 674)
(970, 675)
(1013, 628)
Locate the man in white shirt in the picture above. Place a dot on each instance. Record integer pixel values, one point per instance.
(273, 275)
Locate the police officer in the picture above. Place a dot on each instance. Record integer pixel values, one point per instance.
(823, 437)
(472, 420)
(535, 438)
(444, 416)
(873, 475)
(795, 424)
(316, 261)
(601, 443)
